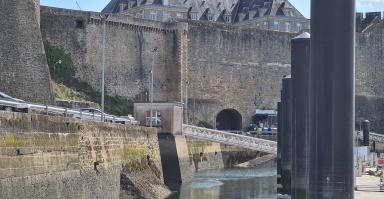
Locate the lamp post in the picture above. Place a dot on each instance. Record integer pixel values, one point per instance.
(186, 101)
(104, 18)
(151, 87)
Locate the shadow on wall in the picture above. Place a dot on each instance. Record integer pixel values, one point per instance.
(372, 109)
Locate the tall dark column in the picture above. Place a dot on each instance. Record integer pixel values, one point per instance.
(332, 99)
(286, 137)
(300, 61)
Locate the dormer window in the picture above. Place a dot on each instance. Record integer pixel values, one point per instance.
(298, 27)
(227, 18)
(210, 17)
(194, 16)
(122, 7)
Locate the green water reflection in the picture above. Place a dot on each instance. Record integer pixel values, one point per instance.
(253, 183)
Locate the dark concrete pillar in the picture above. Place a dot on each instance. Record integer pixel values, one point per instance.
(286, 137)
(332, 99)
(279, 141)
(366, 133)
(300, 61)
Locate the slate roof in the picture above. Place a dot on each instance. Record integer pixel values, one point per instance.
(240, 10)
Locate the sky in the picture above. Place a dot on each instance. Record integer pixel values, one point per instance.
(302, 5)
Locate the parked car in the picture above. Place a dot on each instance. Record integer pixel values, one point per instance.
(13, 104)
(92, 114)
(127, 120)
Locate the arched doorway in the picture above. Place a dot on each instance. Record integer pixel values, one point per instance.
(229, 120)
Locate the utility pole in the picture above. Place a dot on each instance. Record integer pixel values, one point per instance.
(104, 21)
(186, 101)
(151, 87)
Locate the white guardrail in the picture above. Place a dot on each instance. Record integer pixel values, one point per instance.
(46, 109)
(252, 143)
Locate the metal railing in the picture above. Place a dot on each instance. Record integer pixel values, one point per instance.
(46, 109)
(223, 137)
(373, 137)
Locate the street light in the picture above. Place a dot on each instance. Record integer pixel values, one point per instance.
(151, 86)
(186, 101)
(103, 18)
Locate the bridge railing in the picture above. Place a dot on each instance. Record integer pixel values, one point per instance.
(65, 112)
(252, 143)
(372, 137)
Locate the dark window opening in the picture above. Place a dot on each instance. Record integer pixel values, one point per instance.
(79, 23)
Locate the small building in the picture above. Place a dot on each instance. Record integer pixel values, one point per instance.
(265, 118)
(166, 117)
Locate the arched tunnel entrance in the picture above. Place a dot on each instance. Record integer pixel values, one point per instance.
(229, 120)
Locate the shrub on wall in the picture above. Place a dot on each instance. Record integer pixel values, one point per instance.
(63, 71)
(60, 63)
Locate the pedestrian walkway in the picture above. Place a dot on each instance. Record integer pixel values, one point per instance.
(367, 188)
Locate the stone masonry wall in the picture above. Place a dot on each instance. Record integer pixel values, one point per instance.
(54, 157)
(369, 77)
(23, 65)
(237, 69)
(129, 51)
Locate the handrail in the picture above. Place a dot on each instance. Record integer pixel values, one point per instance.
(60, 110)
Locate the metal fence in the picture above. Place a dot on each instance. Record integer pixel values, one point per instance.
(65, 112)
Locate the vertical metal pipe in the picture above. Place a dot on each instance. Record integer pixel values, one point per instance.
(286, 137)
(332, 99)
(279, 134)
(151, 97)
(300, 62)
(186, 101)
(104, 19)
(366, 133)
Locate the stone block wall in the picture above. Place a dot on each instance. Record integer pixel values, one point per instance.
(234, 68)
(369, 76)
(54, 157)
(129, 51)
(23, 65)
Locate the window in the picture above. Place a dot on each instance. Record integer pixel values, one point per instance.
(276, 26)
(298, 27)
(179, 15)
(265, 24)
(152, 15)
(227, 18)
(194, 16)
(165, 17)
(287, 27)
(79, 23)
(165, 2)
(210, 17)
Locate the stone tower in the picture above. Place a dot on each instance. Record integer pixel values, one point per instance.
(24, 70)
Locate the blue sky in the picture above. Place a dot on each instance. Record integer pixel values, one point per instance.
(302, 5)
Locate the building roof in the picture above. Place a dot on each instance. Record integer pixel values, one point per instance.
(239, 10)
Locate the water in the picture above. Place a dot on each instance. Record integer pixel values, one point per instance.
(248, 183)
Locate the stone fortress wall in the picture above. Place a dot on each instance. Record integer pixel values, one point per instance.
(129, 51)
(54, 157)
(24, 71)
(223, 66)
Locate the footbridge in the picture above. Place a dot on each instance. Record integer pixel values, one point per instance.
(223, 137)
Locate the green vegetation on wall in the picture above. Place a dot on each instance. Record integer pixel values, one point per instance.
(60, 64)
(63, 71)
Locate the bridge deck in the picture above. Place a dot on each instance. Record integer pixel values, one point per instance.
(252, 143)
